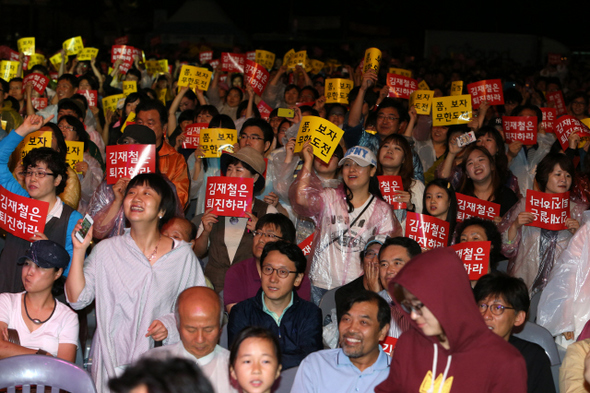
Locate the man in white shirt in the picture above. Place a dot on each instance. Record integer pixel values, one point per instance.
(198, 317)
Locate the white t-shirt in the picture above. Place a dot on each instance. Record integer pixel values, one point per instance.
(61, 328)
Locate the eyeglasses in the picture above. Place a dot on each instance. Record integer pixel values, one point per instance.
(496, 309)
(371, 254)
(390, 118)
(37, 174)
(251, 137)
(282, 272)
(66, 128)
(409, 307)
(270, 236)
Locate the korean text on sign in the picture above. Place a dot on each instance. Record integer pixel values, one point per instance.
(322, 135)
(336, 90)
(205, 56)
(75, 153)
(486, 90)
(430, 232)
(110, 102)
(388, 345)
(192, 132)
(229, 196)
(232, 62)
(264, 110)
(457, 88)
(401, 86)
(400, 71)
(550, 210)
(421, 100)
(33, 141)
(73, 46)
(214, 141)
(21, 216)
(389, 186)
(264, 58)
(565, 126)
(447, 111)
(8, 69)
(372, 60)
(26, 45)
(475, 257)
(87, 54)
(39, 82)
(468, 206)
(549, 117)
(129, 87)
(194, 77)
(556, 98)
(91, 96)
(520, 129)
(305, 245)
(129, 160)
(256, 75)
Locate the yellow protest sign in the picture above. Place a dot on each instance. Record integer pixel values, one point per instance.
(4, 124)
(87, 54)
(36, 58)
(422, 101)
(33, 141)
(130, 120)
(8, 69)
(336, 90)
(151, 66)
(110, 102)
(299, 58)
(129, 87)
(447, 111)
(456, 88)
(400, 71)
(214, 141)
(73, 46)
(75, 153)
(162, 95)
(56, 60)
(187, 75)
(163, 66)
(372, 60)
(202, 79)
(316, 66)
(322, 135)
(287, 58)
(26, 45)
(194, 77)
(423, 85)
(265, 58)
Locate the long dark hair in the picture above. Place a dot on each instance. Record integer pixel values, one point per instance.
(373, 189)
(407, 170)
(500, 158)
(467, 187)
(452, 212)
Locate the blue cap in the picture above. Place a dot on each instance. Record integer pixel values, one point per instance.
(46, 254)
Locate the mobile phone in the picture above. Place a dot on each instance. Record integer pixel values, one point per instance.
(285, 112)
(466, 139)
(86, 224)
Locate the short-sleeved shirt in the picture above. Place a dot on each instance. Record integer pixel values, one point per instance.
(61, 328)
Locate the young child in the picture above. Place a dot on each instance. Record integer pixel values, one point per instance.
(440, 202)
(255, 360)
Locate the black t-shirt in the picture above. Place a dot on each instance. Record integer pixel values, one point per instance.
(538, 366)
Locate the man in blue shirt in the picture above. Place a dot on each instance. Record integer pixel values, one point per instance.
(359, 364)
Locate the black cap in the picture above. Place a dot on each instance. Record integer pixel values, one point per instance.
(46, 254)
(142, 134)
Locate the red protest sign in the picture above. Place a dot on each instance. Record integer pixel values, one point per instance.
(401, 86)
(256, 75)
(389, 186)
(91, 96)
(251, 55)
(193, 132)
(430, 232)
(388, 345)
(39, 103)
(129, 160)
(39, 82)
(13, 55)
(264, 110)
(232, 62)
(565, 126)
(550, 210)
(468, 206)
(214, 63)
(229, 196)
(125, 53)
(549, 116)
(520, 129)
(486, 90)
(556, 98)
(305, 245)
(122, 40)
(205, 57)
(475, 257)
(21, 216)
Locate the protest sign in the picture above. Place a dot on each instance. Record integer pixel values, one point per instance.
(91, 96)
(401, 86)
(22, 216)
(232, 62)
(556, 98)
(388, 344)
(229, 196)
(549, 117)
(430, 232)
(457, 88)
(389, 186)
(322, 134)
(486, 90)
(75, 154)
(129, 87)
(421, 100)
(447, 111)
(565, 126)
(26, 45)
(550, 210)
(475, 257)
(33, 141)
(372, 60)
(192, 132)
(110, 102)
(8, 69)
(205, 56)
(73, 45)
(336, 90)
(214, 141)
(305, 245)
(520, 129)
(129, 160)
(468, 206)
(423, 85)
(264, 110)
(400, 71)
(87, 54)
(256, 76)
(265, 58)
(39, 82)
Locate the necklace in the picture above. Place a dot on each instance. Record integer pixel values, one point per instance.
(38, 321)
(155, 249)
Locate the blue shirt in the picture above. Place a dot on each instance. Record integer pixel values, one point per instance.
(331, 370)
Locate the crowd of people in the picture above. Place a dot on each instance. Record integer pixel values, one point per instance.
(165, 272)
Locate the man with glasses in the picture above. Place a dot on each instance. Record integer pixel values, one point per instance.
(503, 302)
(243, 279)
(297, 323)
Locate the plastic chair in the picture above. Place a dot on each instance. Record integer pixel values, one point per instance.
(327, 303)
(43, 371)
(285, 381)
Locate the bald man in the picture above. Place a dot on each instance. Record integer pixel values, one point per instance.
(198, 318)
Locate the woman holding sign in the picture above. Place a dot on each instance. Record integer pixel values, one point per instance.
(134, 278)
(45, 175)
(440, 202)
(532, 250)
(345, 217)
